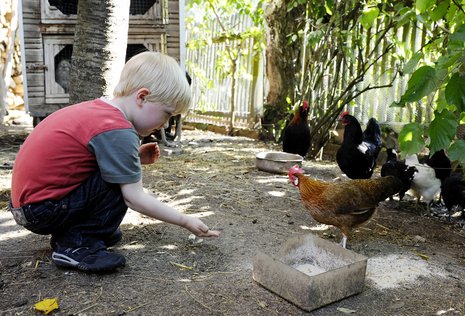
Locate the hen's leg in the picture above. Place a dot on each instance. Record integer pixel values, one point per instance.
(428, 208)
(165, 140)
(343, 242)
(177, 134)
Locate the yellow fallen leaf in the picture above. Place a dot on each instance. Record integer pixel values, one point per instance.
(47, 305)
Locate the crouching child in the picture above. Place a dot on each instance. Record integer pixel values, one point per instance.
(80, 169)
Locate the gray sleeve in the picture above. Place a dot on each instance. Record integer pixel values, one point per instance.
(117, 154)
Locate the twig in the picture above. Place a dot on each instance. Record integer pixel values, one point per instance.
(181, 266)
(145, 277)
(85, 309)
(423, 256)
(163, 233)
(210, 309)
(137, 307)
(263, 306)
(101, 292)
(93, 305)
(11, 309)
(212, 227)
(384, 227)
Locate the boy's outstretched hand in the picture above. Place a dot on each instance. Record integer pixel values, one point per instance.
(198, 228)
(149, 153)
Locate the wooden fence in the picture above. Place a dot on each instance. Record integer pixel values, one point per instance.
(212, 95)
(212, 104)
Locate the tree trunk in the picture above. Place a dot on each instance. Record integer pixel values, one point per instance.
(232, 115)
(280, 65)
(99, 49)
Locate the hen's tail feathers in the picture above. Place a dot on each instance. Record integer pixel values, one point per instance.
(372, 132)
(391, 154)
(372, 137)
(441, 164)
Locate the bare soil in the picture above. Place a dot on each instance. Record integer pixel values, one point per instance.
(416, 263)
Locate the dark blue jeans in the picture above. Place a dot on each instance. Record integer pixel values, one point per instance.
(83, 218)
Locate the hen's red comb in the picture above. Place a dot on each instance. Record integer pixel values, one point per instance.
(343, 114)
(296, 169)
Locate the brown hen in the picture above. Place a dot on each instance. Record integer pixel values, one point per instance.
(344, 204)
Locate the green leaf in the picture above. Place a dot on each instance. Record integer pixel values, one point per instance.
(329, 5)
(404, 16)
(456, 150)
(423, 5)
(369, 15)
(411, 139)
(445, 61)
(440, 11)
(455, 91)
(442, 130)
(462, 118)
(459, 35)
(412, 63)
(421, 84)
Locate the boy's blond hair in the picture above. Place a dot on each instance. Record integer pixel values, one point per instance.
(161, 75)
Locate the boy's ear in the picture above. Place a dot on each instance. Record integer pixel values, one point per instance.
(141, 94)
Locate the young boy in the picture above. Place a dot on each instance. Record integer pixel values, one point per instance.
(80, 168)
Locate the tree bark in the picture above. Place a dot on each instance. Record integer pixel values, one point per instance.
(99, 49)
(281, 64)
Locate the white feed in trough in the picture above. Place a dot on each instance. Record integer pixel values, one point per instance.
(311, 272)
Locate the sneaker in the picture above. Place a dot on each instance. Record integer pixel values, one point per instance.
(88, 259)
(110, 241)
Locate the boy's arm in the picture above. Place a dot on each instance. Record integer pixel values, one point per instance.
(149, 205)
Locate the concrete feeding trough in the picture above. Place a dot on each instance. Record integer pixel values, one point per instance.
(311, 272)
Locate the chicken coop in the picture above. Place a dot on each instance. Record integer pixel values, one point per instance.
(47, 37)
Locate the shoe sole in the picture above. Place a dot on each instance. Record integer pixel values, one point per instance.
(64, 261)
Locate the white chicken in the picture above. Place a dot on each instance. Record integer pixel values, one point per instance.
(425, 184)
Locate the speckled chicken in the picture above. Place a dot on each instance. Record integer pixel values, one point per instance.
(344, 204)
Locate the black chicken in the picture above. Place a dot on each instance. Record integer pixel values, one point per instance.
(296, 134)
(441, 164)
(357, 155)
(453, 191)
(397, 168)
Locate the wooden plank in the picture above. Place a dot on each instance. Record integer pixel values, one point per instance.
(46, 28)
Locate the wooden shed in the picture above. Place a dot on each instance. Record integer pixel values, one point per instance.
(47, 38)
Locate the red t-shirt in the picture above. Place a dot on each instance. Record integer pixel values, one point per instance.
(70, 145)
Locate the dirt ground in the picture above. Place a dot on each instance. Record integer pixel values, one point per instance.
(416, 264)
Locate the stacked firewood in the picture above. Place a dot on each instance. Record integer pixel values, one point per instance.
(11, 74)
